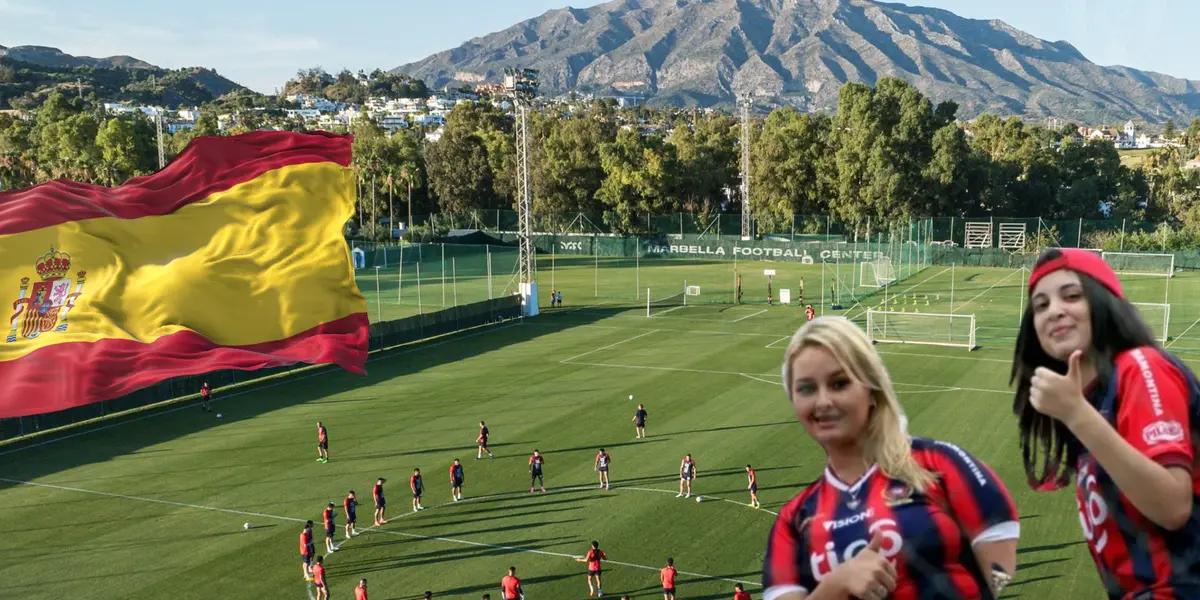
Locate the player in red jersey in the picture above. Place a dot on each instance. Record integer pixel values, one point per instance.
(666, 575)
(1100, 400)
(481, 442)
(350, 505)
(327, 519)
(752, 485)
(205, 397)
(603, 460)
(893, 516)
(740, 593)
(536, 461)
(810, 313)
(306, 551)
(510, 586)
(322, 443)
(418, 489)
(360, 591)
(592, 558)
(380, 501)
(318, 579)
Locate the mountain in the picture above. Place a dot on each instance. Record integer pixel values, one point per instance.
(53, 57)
(29, 73)
(800, 52)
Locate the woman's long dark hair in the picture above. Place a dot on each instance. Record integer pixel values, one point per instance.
(1048, 448)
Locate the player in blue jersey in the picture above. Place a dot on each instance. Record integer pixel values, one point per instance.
(456, 480)
(892, 516)
(1100, 400)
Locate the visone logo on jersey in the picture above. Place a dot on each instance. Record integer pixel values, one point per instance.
(44, 306)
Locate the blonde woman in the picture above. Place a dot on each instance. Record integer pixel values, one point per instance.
(892, 516)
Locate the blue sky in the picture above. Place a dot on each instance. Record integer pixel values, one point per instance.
(261, 43)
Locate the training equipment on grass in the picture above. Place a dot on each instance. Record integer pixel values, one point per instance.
(934, 329)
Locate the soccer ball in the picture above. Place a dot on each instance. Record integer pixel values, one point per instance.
(245, 526)
(218, 415)
(699, 498)
(631, 396)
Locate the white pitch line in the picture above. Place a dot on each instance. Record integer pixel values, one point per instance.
(374, 529)
(987, 289)
(741, 504)
(567, 360)
(946, 356)
(251, 388)
(748, 376)
(749, 315)
(771, 346)
(1180, 336)
(742, 374)
(665, 311)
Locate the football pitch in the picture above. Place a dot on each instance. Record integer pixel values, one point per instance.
(153, 506)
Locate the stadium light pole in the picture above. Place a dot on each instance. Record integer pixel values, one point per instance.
(744, 103)
(521, 86)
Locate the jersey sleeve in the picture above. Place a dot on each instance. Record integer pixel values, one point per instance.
(1153, 411)
(974, 495)
(786, 567)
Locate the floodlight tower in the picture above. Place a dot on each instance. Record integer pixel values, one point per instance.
(744, 103)
(521, 85)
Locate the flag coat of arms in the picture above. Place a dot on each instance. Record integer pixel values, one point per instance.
(231, 257)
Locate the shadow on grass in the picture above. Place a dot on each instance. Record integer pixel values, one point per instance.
(43, 456)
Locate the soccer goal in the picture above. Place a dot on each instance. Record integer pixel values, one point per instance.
(667, 304)
(1157, 316)
(933, 329)
(876, 274)
(1140, 263)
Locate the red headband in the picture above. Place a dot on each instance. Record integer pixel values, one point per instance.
(1080, 261)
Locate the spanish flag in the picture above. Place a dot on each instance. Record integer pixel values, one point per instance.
(232, 257)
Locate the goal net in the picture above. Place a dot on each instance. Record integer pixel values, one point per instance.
(667, 304)
(876, 274)
(1157, 316)
(1139, 263)
(934, 329)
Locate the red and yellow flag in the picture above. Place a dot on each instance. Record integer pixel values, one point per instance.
(232, 257)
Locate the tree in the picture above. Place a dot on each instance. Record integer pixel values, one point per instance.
(949, 173)
(1169, 131)
(567, 172)
(125, 150)
(788, 158)
(639, 178)
(708, 160)
(17, 168)
(459, 174)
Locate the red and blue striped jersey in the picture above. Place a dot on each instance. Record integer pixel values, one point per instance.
(928, 536)
(1153, 402)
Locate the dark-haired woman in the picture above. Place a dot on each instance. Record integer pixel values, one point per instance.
(1100, 400)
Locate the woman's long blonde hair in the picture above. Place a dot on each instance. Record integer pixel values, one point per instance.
(887, 443)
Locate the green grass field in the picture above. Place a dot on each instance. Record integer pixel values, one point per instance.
(153, 507)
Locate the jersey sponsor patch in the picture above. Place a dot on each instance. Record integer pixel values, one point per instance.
(1162, 432)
